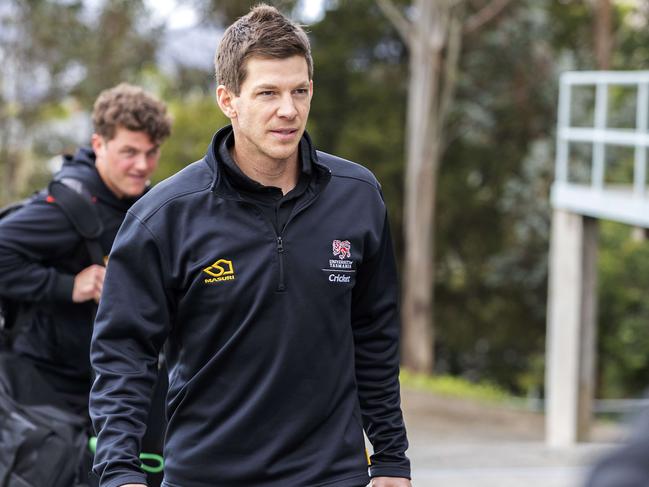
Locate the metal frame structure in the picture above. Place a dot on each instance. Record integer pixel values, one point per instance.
(577, 209)
(627, 205)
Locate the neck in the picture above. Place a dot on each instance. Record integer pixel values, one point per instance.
(280, 173)
(101, 169)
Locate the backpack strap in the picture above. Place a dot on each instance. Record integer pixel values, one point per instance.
(79, 206)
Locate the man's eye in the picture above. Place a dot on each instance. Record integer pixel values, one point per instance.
(267, 93)
(302, 91)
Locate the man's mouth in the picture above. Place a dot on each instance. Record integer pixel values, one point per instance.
(284, 133)
(138, 177)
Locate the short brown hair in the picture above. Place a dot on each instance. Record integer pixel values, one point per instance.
(132, 108)
(263, 32)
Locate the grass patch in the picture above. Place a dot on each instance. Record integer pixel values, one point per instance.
(447, 385)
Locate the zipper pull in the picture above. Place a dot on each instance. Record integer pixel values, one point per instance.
(280, 245)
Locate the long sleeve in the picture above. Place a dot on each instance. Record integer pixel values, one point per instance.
(31, 239)
(132, 324)
(375, 321)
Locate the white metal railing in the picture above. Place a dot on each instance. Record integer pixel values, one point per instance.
(600, 135)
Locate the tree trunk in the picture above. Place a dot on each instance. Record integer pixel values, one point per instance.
(603, 34)
(433, 37)
(422, 151)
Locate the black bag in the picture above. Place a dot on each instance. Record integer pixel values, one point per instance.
(40, 445)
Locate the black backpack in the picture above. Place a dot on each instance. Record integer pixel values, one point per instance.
(77, 204)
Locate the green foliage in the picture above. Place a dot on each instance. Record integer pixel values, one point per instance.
(631, 36)
(623, 312)
(358, 109)
(493, 210)
(493, 224)
(446, 385)
(572, 31)
(51, 50)
(118, 45)
(195, 119)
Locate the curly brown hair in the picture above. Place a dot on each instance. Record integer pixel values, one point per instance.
(132, 108)
(263, 32)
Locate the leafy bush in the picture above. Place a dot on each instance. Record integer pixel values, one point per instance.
(454, 386)
(623, 340)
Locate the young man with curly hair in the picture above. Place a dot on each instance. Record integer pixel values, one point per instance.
(45, 264)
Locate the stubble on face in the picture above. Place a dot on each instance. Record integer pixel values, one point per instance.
(269, 116)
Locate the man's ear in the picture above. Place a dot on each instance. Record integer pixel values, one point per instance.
(225, 98)
(97, 142)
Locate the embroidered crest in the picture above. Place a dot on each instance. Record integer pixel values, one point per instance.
(342, 248)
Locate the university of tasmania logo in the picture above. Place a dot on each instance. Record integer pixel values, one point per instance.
(342, 248)
(340, 270)
(221, 270)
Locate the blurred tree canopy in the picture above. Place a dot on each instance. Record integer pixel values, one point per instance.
(493, 211)
(51, 50)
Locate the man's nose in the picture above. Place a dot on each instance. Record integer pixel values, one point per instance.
(141, 162)
(287, 107)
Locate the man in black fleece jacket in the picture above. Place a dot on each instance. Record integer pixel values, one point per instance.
(45, 265)
(267, 269)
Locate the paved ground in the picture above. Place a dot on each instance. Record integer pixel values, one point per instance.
(459, 443)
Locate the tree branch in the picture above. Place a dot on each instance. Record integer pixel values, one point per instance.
(450, 64)
(397, 19)
(484, 15)
(440, 19)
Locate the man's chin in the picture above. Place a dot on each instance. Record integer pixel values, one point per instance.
(284, 151)
(134, 192)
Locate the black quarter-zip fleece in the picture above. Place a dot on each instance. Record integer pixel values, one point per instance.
(282, 344)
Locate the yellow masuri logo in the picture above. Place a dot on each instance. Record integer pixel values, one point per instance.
(221, 270)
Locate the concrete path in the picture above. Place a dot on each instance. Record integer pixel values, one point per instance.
(460, 443)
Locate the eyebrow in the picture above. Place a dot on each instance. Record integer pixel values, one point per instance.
(268, 86)
(130, 147)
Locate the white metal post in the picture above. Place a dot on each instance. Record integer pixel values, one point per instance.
(599, 154)
(640, 156)
(561, 168)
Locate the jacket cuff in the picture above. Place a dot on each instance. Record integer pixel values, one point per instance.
(62, 288)
(119, 479)
(389, 471)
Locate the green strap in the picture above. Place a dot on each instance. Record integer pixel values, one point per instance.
(156, 462)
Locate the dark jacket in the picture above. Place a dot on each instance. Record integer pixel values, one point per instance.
(40, 254)
(627, 465)
(282, 347)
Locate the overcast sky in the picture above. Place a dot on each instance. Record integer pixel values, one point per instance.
(179, 14)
